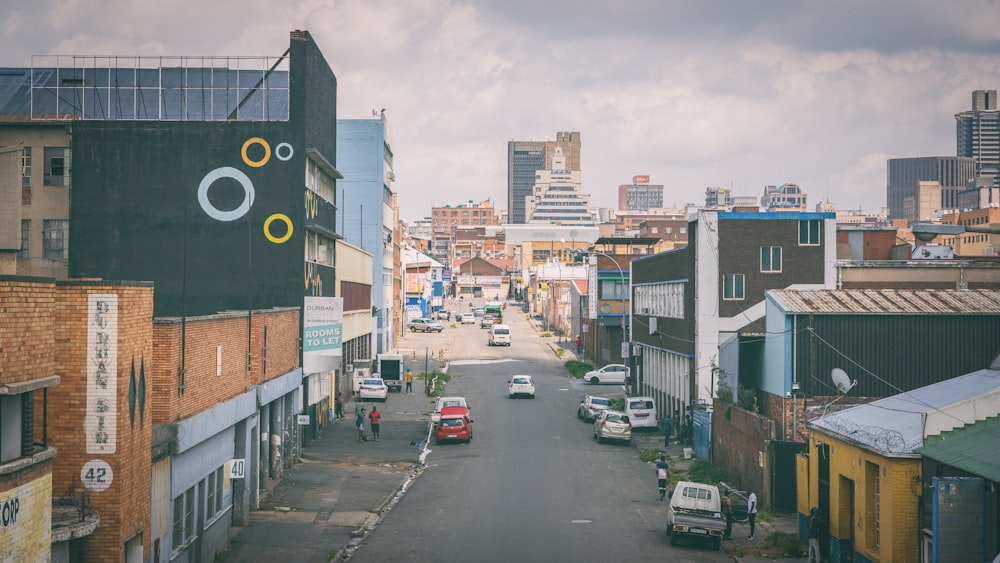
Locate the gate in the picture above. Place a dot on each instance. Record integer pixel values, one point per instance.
(784, 496)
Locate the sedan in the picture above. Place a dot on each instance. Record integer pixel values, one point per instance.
(611, 373)
(424, 325)
(468, 319)
(612, 425)
(521, 385)
(373, 389)
(591, 406)
(444, 314)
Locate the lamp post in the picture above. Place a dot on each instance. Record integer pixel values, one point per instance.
(624, 306)
(926, 232)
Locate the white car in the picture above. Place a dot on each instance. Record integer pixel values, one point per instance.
(612, 425)
(521, 385)
(641, 412)
(445, 402)
(468, 319)
(373, 389)
(611, 373)
(590, 406)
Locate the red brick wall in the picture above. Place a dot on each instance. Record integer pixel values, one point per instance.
(26, 330)
(124, 506)
(739, 436)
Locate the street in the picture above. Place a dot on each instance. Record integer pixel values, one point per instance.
(532, 485)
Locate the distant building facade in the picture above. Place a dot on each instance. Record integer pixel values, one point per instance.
(640, 195)
(786, 197)
(524, 159)
(557, 196)
(977, 133)
(905, 174)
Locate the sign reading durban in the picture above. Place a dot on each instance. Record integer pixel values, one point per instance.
(322, 333)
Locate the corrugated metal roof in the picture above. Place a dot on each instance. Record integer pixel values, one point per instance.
(972, 449)
(894, 425)
(887, 301)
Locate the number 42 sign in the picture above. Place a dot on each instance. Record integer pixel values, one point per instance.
(96, 475)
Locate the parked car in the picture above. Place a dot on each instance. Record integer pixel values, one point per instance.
(468, 319)
(424, 325)
(695, 510)
(641, 412)
(612, 425)
(445, 402)
(444, 314)
(591, 405)
(487, 321)
(455, 424)
(499, 335)
(521, 385)
(373, 389)
(611, 373)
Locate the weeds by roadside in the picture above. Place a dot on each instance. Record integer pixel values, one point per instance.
(577, 369)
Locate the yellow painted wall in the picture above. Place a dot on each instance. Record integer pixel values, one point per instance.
(898, 485)
(26, 533)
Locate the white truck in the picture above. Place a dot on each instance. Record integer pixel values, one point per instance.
(695, 510)
(360, 370)
(390, 369)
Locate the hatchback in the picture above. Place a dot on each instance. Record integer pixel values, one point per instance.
(373, 389)
(521, 385)
(612, 425)
(455, 424)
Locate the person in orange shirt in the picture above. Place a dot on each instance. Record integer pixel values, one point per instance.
(375, 417)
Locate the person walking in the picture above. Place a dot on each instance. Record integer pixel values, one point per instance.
(815, 528)
(662, 475)
(409, 380)
(338, 413)
(667, 421)
(360, 423)
(577, 344)
(752, 512)
(727, 511)
(376, 418)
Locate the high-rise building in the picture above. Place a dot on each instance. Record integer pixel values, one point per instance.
(905, 175)
(524, 159)
(640, 195)
(786, 197)
(978, 133)
(557, 198)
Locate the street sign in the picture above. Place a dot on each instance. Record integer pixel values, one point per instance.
(303, 419)
(237, 468)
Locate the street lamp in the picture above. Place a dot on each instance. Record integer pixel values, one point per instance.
(926, 232)
(622, 274)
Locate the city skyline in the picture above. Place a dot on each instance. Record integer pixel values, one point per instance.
(693, 95)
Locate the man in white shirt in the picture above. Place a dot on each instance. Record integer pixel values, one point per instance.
(752, 512)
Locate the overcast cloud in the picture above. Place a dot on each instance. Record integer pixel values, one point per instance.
(737, 94)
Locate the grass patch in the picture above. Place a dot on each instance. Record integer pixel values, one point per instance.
(560, 353)
(702, 471)
(577, 368)
(648, 455)
(546, 334)
(440, 378)
(787, 543)
(618, 404)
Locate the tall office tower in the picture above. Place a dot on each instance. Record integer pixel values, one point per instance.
(978, 133)
(640, 195)
(905, 175)
(524, 159)
(557, 197)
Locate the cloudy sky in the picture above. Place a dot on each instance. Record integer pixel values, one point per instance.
(737, 94)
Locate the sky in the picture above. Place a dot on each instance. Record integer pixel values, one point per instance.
(696, 94)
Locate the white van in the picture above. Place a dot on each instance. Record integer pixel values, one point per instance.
(499, 335)
(641, 411)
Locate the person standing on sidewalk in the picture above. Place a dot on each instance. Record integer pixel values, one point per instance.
(752, 512)
(360, 423)
(727, 511)
(662, 475)
(409, 380)
(666, 429)
(376, 418)
(815, 528)
(338, 413)
(577, 344)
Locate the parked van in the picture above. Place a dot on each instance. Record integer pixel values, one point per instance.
(641, 411)
(499, 335)
(695, 510)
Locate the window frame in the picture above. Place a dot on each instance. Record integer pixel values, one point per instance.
(617, 294)
(25, 167)
(50, 156)
(25, 251)
(771, 252)
(730, 292)
(51, 251)
(810, 232)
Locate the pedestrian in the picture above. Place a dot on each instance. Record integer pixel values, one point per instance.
(338, 413)
(409, 380)
(662, 475)
(360, 423)
(375, 417)
(752, 512)
(578, 344)
(727, 511)
(815, 528)
(666, 429)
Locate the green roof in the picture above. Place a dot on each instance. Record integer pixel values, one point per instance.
(971, 448)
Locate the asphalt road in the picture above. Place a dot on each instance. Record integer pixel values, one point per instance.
(532, 485)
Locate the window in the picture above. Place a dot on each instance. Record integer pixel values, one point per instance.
(56, 166)
(56, 239)
(26, 166)
(213, 494)
(770, 259)
(614, 289)
(809, 233)
(732, 286)
(25, 231)
(183, 525)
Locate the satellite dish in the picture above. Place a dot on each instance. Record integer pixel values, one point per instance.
(841, 381)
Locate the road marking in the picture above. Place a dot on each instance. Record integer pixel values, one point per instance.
(581, 521)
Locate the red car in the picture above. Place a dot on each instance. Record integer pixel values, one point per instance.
(455, 424)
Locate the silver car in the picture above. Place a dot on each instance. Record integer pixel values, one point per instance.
(612, 425)
(590, 406)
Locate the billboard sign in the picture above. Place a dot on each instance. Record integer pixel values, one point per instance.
(322, 333)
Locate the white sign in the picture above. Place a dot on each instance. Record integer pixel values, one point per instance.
(96, 475)
(237, 468)
(303, 419)
(624, 350)
(100, 424)
(322, 333)
(592, 288)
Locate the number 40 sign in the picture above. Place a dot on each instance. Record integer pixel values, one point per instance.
(96, 475)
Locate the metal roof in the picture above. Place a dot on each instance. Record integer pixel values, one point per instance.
(887, 301)
(894, 425)
(971, 449)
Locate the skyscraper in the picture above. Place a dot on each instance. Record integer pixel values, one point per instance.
(524, 159)
(905, 174)
(978, 133)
